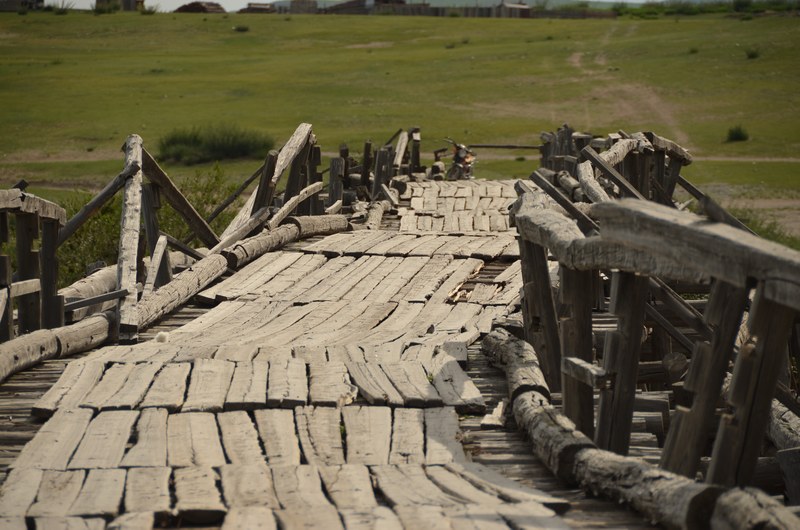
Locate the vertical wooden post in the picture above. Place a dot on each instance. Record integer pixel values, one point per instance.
(151, 203)
(366, 164)
(382, 170)
(6, 303)
(621, 356)
(29, 307)
(315, 206)
(688, 434)
(128, 315)
(266, 184)
(297, 173)
(52, 303)
(336, 182)
(671, 177)
(534, 259)
(414, 163)
(576, 341)
(755, 376)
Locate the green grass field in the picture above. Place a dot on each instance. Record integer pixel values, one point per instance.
(73, 87)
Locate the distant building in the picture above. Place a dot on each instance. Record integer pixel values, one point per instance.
(18, 5)
(259, 8)
(303, 7)
(512, 10)
(201, 7)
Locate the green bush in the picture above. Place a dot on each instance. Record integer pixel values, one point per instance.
(752, 53)
(106, 7)
(149, 10)
(217, 142)
(241, 29)
(737, 134)
(693, 50)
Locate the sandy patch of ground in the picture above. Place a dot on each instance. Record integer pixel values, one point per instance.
(75, 155)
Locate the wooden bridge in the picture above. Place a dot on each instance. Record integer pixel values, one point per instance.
(377, 359)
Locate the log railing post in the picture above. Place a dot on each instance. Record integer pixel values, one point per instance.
(151, 203)
(755, 376)
(366, 164)
(621, 357)
(128, 316)
(336, 182)
(689, 430)
(266, 187)
(52, 303)
(539, 291)
(415, 165)
(29, 306)
(576, 341)
(6, 304)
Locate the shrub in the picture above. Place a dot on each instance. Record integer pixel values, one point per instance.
(63, 7)
(106, 7)
(217, 142)
(241, 29)
(149, 10)
(752, 53)
(693, 50)
(737, 134)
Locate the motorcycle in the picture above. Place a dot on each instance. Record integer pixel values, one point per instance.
(463, 159)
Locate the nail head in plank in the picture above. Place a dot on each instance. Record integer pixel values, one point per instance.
(239, 437)
(320, 434)
(55, 442)
(104, 442)
(277, 431)
(150, 449)
(147, 490)
(193, 440)
(248, 485)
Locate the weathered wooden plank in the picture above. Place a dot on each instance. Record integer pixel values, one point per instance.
(57, 492)
(298, 488)
(239, 437)
(53, 445)
(73, 380)
(277, 432)
(286, 279)
(411, 381)
(250, 518)
(420, 516)
(320, 435)
(101, 493)
(310, 354)
(133, 521)
(408, 437)
(288, 385)
(319, 517)
(197, 497)
(127, 260)
(329, 384)
(19, 491)
(168, 388)
(136, 385)
(147, 490)
(248, 388)
(426, 281)
(208, 385)
(455, 387)
(104, 442)
(455, 485)
(373, 385)
(407, 484)
(111, 383)
(465, 270)
(379, 517)
(193, 440)
(150, 449)
(249, 484)
(68, 523)
(349, 486)
(368, 431)
(442, 436)
(331, 267)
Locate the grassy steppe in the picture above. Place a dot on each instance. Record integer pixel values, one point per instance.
(72, 87)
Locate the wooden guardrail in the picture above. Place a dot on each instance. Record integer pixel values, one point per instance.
(640, 242)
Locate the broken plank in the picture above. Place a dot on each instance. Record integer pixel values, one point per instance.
(411, 381)
(113, 379)
(104, 442)
(329, 384)
(373, 384)
(368, 431)
(150, 449)
(455, 386)
(247, 485)
(193, 440)
(319, 431)
(168, 388)
(78, 378)
(134, 388)
(277, 432)
(208, 385)
(442, 436)
(288, 385)
(248, 388)
(147, 490)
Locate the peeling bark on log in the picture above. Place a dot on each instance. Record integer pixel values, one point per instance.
(519, 361)
(317, 225)
(750, 508)
(784, 427)
(249, 249)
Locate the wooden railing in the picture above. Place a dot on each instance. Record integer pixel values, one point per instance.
(642, 243)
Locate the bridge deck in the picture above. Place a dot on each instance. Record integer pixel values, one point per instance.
(336, 383)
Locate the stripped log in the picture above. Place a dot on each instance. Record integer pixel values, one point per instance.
(27, 350)
(784, 427)
(519, 361)
(127, 260)
(375, 213)
(751, 508)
